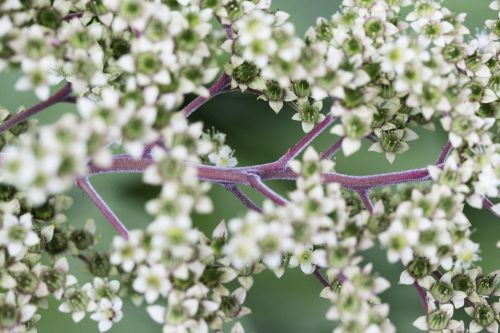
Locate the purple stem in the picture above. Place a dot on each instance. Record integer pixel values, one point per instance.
(245, 200)
(257, 184)
(327, 154)
(444, 153)
(487, 204)
(300, 146)
(367, 202)
(86, 186)
(248, 175)
(422, 295)
(22, 116)
(321, 278)
(220, 85)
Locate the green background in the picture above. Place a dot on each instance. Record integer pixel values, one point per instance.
(290, 304)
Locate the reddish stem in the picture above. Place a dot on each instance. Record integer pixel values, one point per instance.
(444, 153)
(487, 204)
(220, 85)
(24, 115)
(327, 154)
(86, 186)
(245, 200)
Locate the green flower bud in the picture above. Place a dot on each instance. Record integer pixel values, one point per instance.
(131, 9)
(486, 285)
(419, 267)
(59, 242)
(176, 314)
(119, 47)
(210, 3)
(438, 320)
(97, 7)
(453, 52)
(461, 125)
(350, 303)
(44, 212)
(156, 30)
(374, 27)
(99, 265)
(187, 40)
(476, 91)
(82, 239)
(134, 129)
(54, 279)
(391, 140)
(274, 92)
(338, 256)
(77, 300)
(484, 315)
(355, 128)
(27, 282)
(234, 10)
(302, 88)
(246, 72)
(7, 192)
(211, 276)
(353, 97)
(463, 283)
(148, 63)
(8, 316)
(324, 31)
(353, 46)
(163, 117)
(49, 17)
(230, 306)
(442, 291)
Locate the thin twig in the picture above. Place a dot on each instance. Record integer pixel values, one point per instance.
(367, 202)
(257, 184)
(240, 195)
(301, 145)
(327, 154)
(24, 115)
(86, 186)
(321, 278)
(422, 296)
(222, 84)
(444, 153)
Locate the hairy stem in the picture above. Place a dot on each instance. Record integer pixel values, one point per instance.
(301, 145)
(245, 200)
(422, 296)
(220, 85)
(257, 183)
(86, 186)
(444, 153)
(327, 154)
(24, 115)
(321, 278)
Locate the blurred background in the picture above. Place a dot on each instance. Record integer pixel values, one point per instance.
(290, 304)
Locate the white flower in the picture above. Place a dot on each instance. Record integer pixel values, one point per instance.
(307, 259)
(152, 282)
(108, 312)
(128, 252)
(223, 157)
(17, 234)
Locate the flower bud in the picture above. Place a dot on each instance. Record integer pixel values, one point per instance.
(486, 285)
(463, 283)
(442, 291)
(484, 315)
(230, 306)
(438, 320)
(27, 282)
(8, 316)
(78, 300)
(44, 212)
(99, 265)
(419, 267)
(49, 17)
(245, 72)
(59, 242)
(302, 88)
(82, 239)
(7, 192)
(54, 279)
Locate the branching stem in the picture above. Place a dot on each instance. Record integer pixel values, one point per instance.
(59, 96)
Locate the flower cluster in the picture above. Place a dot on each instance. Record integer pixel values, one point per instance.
(130, 65)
